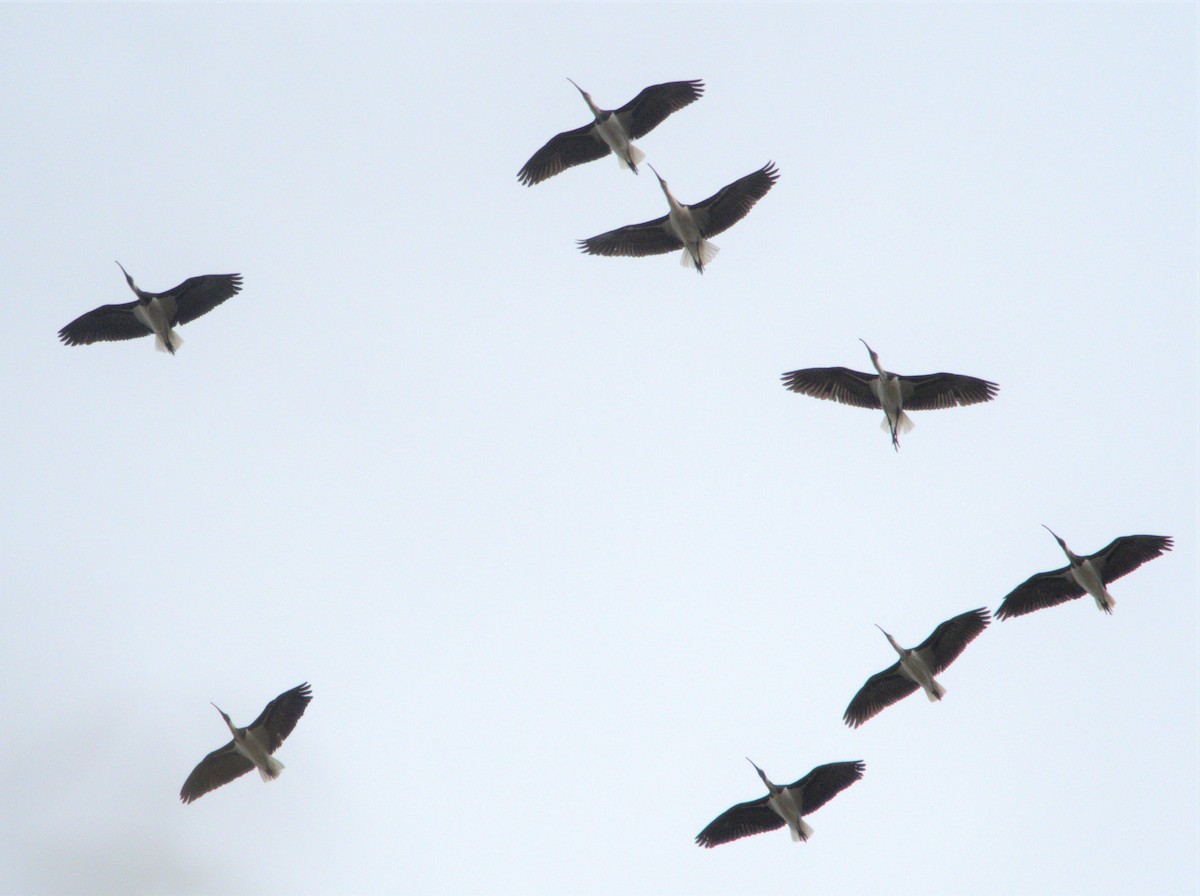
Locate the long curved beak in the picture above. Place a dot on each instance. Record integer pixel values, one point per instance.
(1062, 544)
(228, 722)
(757, 769)
(128, 279)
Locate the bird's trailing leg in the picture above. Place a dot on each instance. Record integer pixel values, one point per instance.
(272, 770)
(635, 156)
(894, 426)
(172, 341)
(802, 831)
(697, 258)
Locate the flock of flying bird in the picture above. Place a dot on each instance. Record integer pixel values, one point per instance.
(686, 227)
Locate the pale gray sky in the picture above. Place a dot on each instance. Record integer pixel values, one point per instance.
(546, 535)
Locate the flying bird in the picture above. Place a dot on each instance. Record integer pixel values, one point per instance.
(153, 312)
(891, 392)
(916, 668)
(251, 746)
(782, 805)
(1083, 575)
(611, 131)
(687, 227)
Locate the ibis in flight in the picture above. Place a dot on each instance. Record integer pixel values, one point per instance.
(891, 392)
(611, 131)
(153, 312)
(251, 746)
(687, 227)
(916, 668)
(783, 805)
(1083, 575)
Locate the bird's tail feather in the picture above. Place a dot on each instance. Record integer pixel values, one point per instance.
(636, 157)
(936, 692)
(1107, 603)
(804, 831)
(176, 342)
(707, 253)
(273, 769)
(904, 424)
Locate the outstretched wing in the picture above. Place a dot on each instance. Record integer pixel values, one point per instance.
(743, 820)
(650, 108)
(825, 782)
(944, 390)
(108, 323)
(1127, 553)
(634, 240)
(730, 204)
(835, 384)
(951, 638)
(881, 691)
(280, 716)
(1040, 591)
(563, 151)
(200, 295)
(216, 769)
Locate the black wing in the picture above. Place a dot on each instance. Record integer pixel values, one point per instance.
(743, 820)
(108, 323)
(217, 768)
(281, 715)
(200, 295)
(881, 691)
(730, 204)
(650, 108)
(835, 384)
(944, 390)
(633, 240)
(563, 151)
(951, 638)
(1127, 553)
(825, 782)
(1038, 592)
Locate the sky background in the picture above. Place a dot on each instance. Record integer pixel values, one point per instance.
(546, 535)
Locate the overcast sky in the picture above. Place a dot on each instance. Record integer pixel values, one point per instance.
(546, 535)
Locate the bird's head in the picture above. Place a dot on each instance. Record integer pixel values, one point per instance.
(875, 361)
(587, 98)
(891, 640)
(662, 183)
(128, 279)
(761, 773)
(1062, 544)
(224, 715)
